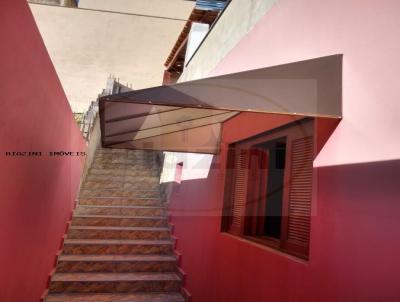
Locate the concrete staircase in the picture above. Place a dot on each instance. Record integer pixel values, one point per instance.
(119, 245)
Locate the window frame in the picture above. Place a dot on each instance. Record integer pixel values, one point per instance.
(288, 131)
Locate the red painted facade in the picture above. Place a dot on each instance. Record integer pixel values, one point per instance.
(356, 205)
(353, 253)
(37, 193)
(355, 223)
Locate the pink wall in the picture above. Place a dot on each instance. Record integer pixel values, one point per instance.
(366, 32)
(355, 224)
(353, 253)
(37, 194)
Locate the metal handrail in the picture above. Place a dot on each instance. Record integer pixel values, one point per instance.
(86, 120)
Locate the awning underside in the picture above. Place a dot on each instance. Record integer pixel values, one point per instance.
(142, 126)
(187, 117)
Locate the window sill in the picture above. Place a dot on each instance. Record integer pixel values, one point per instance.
(269, 245)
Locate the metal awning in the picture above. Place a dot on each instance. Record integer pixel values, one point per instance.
(187, 117)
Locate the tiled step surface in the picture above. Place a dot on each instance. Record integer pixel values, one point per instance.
(120, 210)
(136, 186)
(129, 221)
(94, 232)
(119, 201)
(121, 179)
(117, 247)
(122, 172)
(138, 297)
(119, 193)
(121, 166)
(114, 282)
(115, 263)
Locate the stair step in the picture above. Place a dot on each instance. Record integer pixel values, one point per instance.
(130, 221)
(114, 282)
(120, 210)
(122, 188)
(137, 297)
(116, 258)
(121, 173)
(96, 232)
(113, 151)
(141, 186)
(123, 151)
(110, 159)
(117, 158)
(106, 166)
(108, 178)
(138, 156)
(136, 184)
(148, 178)
(125, 166)
(142, 171)
(119, 193)
(103, 184)
(98, 246)
(119, 201)
(107, 172)
(122, 178)
(119, 246)
(131, 183)
(115, 263)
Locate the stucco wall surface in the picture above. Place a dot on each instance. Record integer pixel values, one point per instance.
(175, 9)
(86, 46)
(353, 254)
(235, 23)
(366, 33)
(353, 251)
(37, 194)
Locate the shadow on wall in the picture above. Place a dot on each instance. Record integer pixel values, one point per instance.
(189, 166)
(37, 192)
(353, 246)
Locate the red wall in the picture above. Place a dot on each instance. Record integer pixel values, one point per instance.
(36, 194)
(355, 227)
(354, 230)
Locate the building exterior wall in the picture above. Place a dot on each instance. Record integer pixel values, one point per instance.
(353, 256)
(353, 253)
(87, 45)
(37, 193)
(236, 21)
(175, 9)
(368, 131)
(223, 37)
(68, 3)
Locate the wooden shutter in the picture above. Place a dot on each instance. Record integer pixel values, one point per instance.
(239, 192)
(256, 192)
(245, 195)
(300, 195)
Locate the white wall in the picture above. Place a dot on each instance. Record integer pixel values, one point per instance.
(233, 25)
(87, 46)
(195, 166)
(161, 8)
(198, 32)
(237, 20)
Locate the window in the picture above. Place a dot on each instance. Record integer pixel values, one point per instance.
(269, 188)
